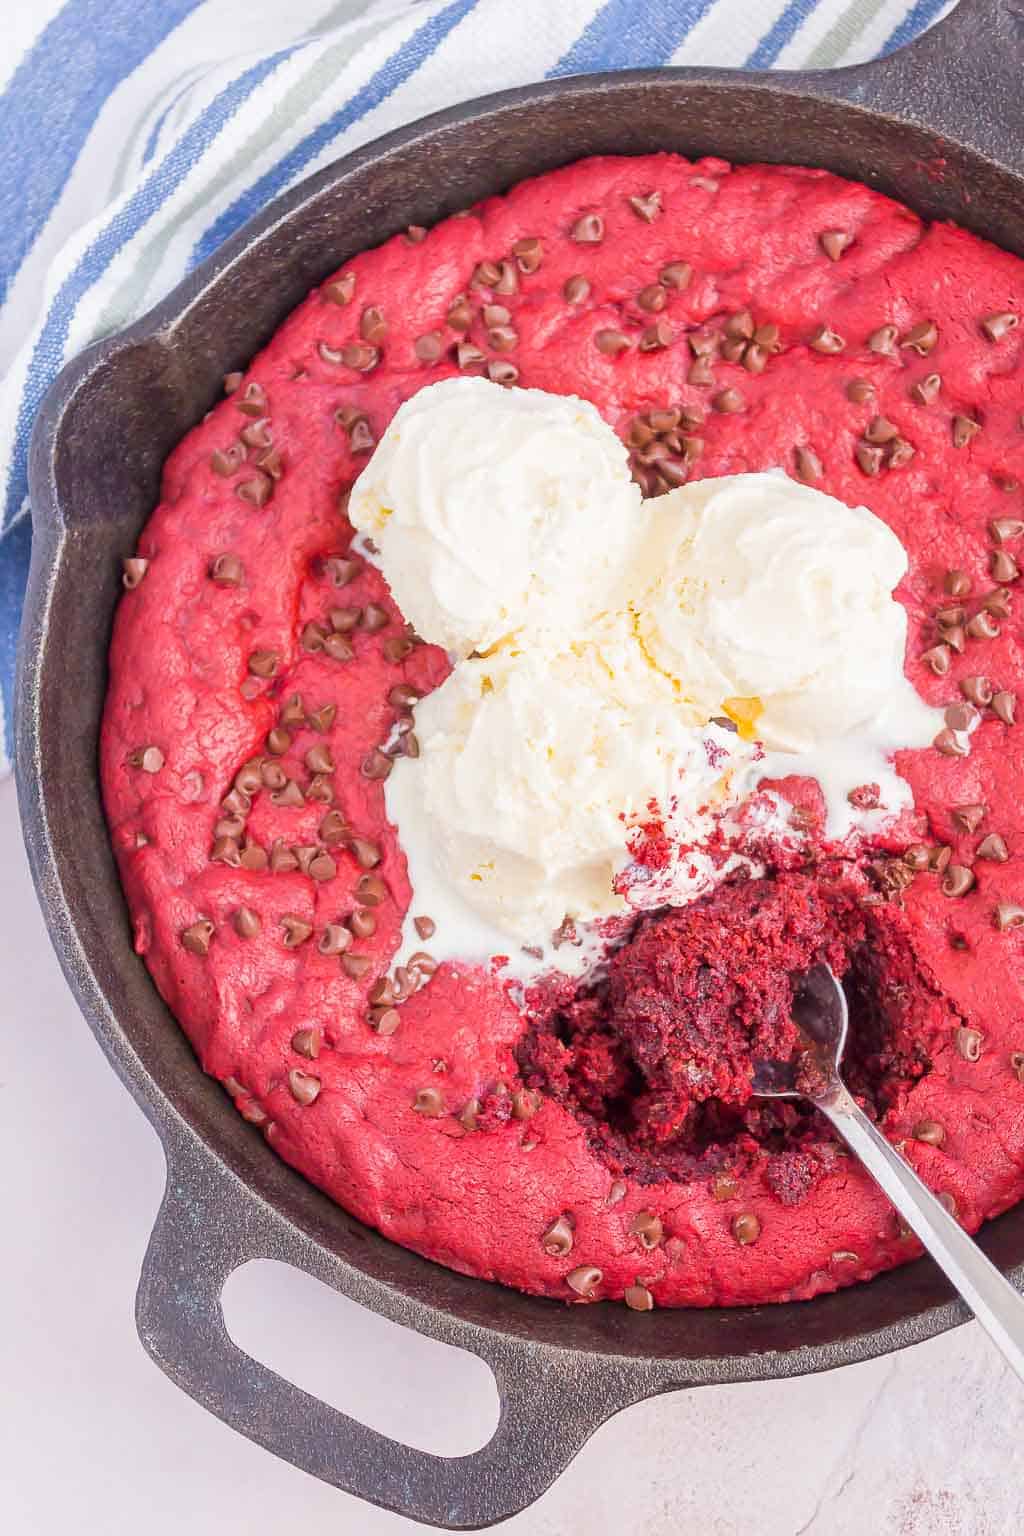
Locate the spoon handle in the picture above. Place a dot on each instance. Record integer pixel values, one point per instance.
(991, 1297)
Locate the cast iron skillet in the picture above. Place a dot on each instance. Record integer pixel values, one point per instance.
(939, 126)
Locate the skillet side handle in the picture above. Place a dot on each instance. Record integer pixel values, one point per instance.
(961, 80)
(551, 1400)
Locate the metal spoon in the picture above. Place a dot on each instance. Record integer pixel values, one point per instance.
(821, 1014)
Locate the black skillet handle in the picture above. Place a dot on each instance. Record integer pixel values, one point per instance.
(960, 81)
(551, 1400)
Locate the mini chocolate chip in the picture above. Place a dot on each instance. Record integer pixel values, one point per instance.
(647, 207)
(648, 1228)
(729, 402)
(307, 1042)
(808, 466)
(948, 743)
(486, 275)
(319, 760)
(916, 856)
(929, 1131)
(278, 741)
(528, 253)
(969, 817)
(678, 274)
(964, 428)
(290, 795)
(998, 602)
(755, 358)
(227, 571)
(229, 826)
(263, 663)
(246, 923)
(576, 289)
(341, 290)
(296, 930)
(149, 759)
(249, 779)
(496, 314)
(253, 856)
(993, 847)
(1008, 915)
(1003, 566)
(1002, 529)
(900, 452)
(968, 1042)
(860, 391)
(305, 1088)
(425, 926)
(957, 583)
(502, 338)
(746, 1228)
(701, 373)
(313, 636)
(385, 1021)
(939, 858)
(322, 867)
(740, 324)
(949, 616)
(922, 337)
(926, 390)
(133, 570)
(282, 859)
(337, 647)
(360, 356)
(361, 438)
(321, 788)
(960, 717)
(880, 430)
(826, 340)
(957, 880)
(1004, 706)
(656, 337)
(508, 277)
(371, 890)
(938, 659)
(584, 1280)
(253, 400)
(339, 571)
(257, 491)
(611, 342)
(653, 298)
(588, 230)
(372, 325)
(196, 938)
(983, 626)
(366, 854)
(236, 803)
(883, 340)
(834, 242)
(557, 1240)
(429, 1102)
(1000, 325)
(638, 1298)
(374, 617)
(257, 433)
(231, 382)
(869, 457)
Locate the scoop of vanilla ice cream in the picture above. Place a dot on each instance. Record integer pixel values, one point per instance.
(533, 768)
(494, 508)
(772, 602)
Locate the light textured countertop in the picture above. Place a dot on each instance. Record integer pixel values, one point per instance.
(94, 1439)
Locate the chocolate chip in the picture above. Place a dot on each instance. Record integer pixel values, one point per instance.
(948, 743)
(257, 433)
(611, 342)
(826, 340)
(939, 858)
(968, 1042)
(256, 491)
(755, 358)
(236, 803)
(647, 207)
(808, 466)
(371, 890)
(296, 930)
(983, 626)
(246, 923)
(1003, 529)
(880, 430)
(929, 1131)
(1003, 566)
(916, 857)
(229, 826)
(196, 939)
(360, 356)
(227, 571)
(486, 275)
(282, 859)
(960, 717)
(701, 373)
(366, 854)
(938, 659)
(576, 289)
(356, 966)
(290, 795)
(860, 390)
(502, 338)
(385, 1021)
(678, 275)
(372, 325)
(338, 648)
(339, 571)
(429, 1102)
(653, 298)
(425, 926)
(253, 400)
(926, 390)
(278, 742)
(638, 1298)
(149, 759)
(584, 1280)
(362, 923)
(1008, 915)
(746, 1228)
(729, 402)
(501, 371)
(375, 765)
(319, 760)
(1000, 325)
(969, 817)
(964, 428)
(263, 663)
(374, 617)
(132, 572)
(305, 1088)
(231, 382)
(957, 583)
(834, 242)
(993, 847)
(922, 337)
(305, 853)
(883, 340)
(249, 779)
(226, 851)
(1004, 706)
(998, 602)
(508, 277)
(648, 1228)
(900, 452)
(588, 230)
(557, 1240)
(322, 868)
(978, 689)
(656, 337)
(341, 290)
(253, 856)
(528, 253)
(870, 458)
(525, 1104)
(957, 880)
(740, 324)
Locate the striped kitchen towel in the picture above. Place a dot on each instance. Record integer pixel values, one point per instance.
(136, 135)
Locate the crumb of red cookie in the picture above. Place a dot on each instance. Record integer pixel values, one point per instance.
(263, 683)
